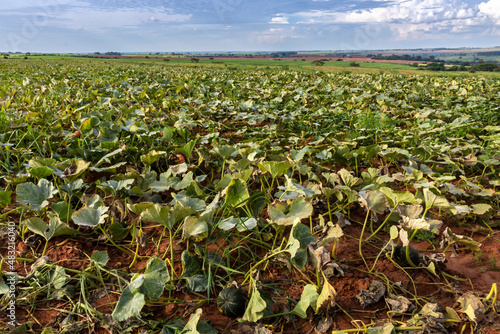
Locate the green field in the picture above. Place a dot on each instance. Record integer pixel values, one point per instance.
(134, 192)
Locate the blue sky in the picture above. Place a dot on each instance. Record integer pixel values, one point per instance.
(245, 25)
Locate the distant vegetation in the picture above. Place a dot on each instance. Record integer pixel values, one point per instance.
(406, 57)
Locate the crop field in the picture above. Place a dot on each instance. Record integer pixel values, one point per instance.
(179, 198)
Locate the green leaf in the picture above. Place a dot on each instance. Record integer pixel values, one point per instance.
(190, 202)
(187, 149)
(433, 200)
(36, 196)
(300, 238)
(395, 198)
(308, 299)
(285, 213)
(348, 179)
(256, 305)
(55, 227)
(40, 172)
(100, 257)
(192, 267)
(275, 168)
(148, 285)
(192, 324)
(155, 277)
(71, 187)
(89, 216)
(88, 124)
(139, 208)
(373, 201)
(130, 303)
(152, 157)
(237, 193)
(194, 228)
(224, 151)
(5, 198)
(242, 223)
(299, 155)
(63, 210)
(481, 209)
(156, 213)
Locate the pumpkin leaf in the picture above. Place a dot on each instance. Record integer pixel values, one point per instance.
(286, 212)
(55, 227)
(36, 196)
(256, 304)
(89, 216)
(308, 299)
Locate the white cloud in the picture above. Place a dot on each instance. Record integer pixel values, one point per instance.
(491, 9)
(273, 35)
(279, 19)
(413, 19)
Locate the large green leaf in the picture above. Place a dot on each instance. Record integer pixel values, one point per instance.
(148, 285)
(194, 228)
(300, 238)
(237, 193)
(348, 179)
(156, 213)
(275, 168)
(433, 200)
(55, 227)
(152, 157)
(89, 216)
(192, 272)
(40, 172)
(224, 150)
(373, 200)
(286, 212)
(190, 202)
(36, 196)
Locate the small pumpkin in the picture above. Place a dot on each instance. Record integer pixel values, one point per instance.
(400, 256)
(232, 302)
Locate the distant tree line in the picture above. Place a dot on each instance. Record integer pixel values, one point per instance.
(406, 57)
(483, 67)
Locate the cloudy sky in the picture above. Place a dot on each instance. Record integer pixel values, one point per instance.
(245, 25)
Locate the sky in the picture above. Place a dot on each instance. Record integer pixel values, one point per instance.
(75, 26)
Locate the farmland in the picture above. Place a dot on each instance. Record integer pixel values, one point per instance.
(133, 192)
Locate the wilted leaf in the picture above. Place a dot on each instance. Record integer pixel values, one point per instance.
(472, 306)
(327, 296)
(307, 299)
(256, 305)
(375, 292)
